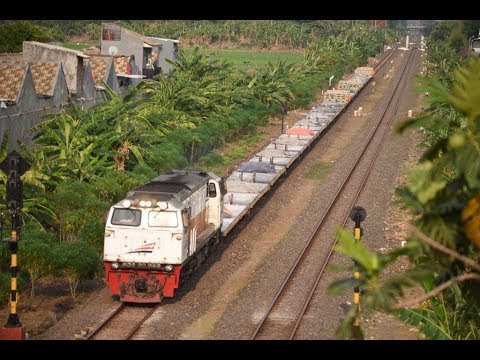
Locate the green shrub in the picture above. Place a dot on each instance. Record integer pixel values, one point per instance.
(75, 205)
(93, 234)
(212, 159)
(36, 258)
(76, 261)
(12, 35)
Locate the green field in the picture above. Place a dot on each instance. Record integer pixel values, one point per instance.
(244, 59)
(76, 46)
(247, 59)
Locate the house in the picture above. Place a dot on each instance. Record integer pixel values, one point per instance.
(169, 50)
(124, 70)
(28, 90)
(80, 84)
(125, 65)
(50, 84)
(46, 77)
(117, 40)
(128, 73)
(103, 71)
(72, 61)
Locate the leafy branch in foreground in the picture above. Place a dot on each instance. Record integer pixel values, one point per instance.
(442, 193)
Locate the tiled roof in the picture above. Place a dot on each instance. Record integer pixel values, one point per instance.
(99, 63)
(11, 78)
(99, 69)
(44, 73)
(121, 64)
(44, 76)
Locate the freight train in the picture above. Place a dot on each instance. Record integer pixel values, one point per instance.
(163, 230)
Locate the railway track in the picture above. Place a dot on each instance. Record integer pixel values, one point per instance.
(273, 324)
(123, 323)
(385, 60)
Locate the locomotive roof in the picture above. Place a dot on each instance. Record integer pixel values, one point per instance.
(177, 184)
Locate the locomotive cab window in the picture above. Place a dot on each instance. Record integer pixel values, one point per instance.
(212, 190)
(186, 218)
(162, 218)
(128, 217)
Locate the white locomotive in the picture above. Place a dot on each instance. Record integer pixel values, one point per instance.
(156, 231)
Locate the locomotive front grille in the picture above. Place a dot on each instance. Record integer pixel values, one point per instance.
(141, 285)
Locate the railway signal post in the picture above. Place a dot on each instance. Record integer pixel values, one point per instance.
(357, 215)
(14, 166)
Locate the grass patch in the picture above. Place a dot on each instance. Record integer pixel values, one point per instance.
(247, 59)
(76, 46)
(318, 171)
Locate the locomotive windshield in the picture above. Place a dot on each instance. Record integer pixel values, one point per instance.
(128, 217)
(162, 218)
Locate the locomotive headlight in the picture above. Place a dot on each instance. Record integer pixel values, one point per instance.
(126, 203)
(143, 203)
(168, 267)
(163, 205)
(115, 265)
(148, 203)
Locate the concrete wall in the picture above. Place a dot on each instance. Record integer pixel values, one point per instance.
(135, 68)
(168, 51)
(89, 97)
(111, 77)
(60, 92)
(19, 118)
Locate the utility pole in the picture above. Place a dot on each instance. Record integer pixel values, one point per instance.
(357, 215)
(14, 166)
